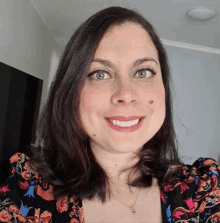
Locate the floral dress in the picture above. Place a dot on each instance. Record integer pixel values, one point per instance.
(193, 197)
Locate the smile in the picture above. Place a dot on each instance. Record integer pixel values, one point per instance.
(130, 126)
(124, 124)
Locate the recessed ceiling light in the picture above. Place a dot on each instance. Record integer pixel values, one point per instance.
(201, 13)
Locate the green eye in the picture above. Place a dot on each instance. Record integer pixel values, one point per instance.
(144, 72)
(100, 73)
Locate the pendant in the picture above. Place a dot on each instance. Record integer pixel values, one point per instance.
(133, 210)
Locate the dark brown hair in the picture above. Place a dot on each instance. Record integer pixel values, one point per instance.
(62, 152)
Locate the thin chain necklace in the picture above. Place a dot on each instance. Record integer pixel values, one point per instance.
(132, 208)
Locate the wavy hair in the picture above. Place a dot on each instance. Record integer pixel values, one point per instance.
(61, 153)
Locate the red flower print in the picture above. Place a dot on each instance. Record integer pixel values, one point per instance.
(16, 211)
(15, 158)
(171, 187)
(198, 197)
(37, 215)
(217, 200)
(62, 204)
(72, 199)
(214, 180)
(5, 216)
(202, 183)
(4, 189)
(74, 220)
(12, 208)
(182, 211)
(71, 214)
(215, 192)
(25, 175)
(21, 218)
(45, 194)
(208, 162)
(23, 185)
(45, 217)
(217, 217)
(26, 166)
(162, 197)
(177, 214)
(189, 203)
(74, 208)
(189, 180)
(183, 187)
(202, 207)
(168, 187)
(212, 168)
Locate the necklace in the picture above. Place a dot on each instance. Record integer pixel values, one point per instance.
(132, 208)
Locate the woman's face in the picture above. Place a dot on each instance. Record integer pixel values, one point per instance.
(121, 89)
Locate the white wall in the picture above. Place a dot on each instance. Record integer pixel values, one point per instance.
(196, 78)
(25, 41)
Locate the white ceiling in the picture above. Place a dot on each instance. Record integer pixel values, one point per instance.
(168, 17)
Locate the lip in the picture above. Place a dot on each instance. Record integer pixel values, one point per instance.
(125, 129)
(123, 118)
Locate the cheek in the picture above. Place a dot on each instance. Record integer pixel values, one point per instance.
(158, 96)
(91, 101)
(161, 103)
(155, 91)
(161, 97)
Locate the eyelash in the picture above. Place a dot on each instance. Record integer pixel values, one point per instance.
(139, 71)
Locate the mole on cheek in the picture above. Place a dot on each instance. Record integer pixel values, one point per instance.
(94, 134)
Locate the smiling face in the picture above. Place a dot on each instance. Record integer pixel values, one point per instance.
(123, 88)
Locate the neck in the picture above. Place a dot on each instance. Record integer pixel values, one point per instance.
(114, 163)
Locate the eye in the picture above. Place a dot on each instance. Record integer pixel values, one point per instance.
(145, 72)
(101, 73)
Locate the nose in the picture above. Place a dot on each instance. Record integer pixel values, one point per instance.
(125, 93)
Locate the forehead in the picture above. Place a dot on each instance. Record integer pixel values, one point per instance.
(128, 37)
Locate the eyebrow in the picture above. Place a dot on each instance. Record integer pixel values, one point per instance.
(137, 62)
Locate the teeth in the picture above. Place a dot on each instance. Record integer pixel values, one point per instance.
(124, 124)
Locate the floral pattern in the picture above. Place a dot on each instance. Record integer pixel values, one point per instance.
(193, 196)
(25, 197)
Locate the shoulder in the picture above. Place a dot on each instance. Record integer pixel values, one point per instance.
(25, 196)
(201, 169)
(21, 192)
(195, 192)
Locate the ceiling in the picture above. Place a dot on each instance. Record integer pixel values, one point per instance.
(167, 16)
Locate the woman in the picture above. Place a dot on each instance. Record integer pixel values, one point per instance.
(106, 147)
